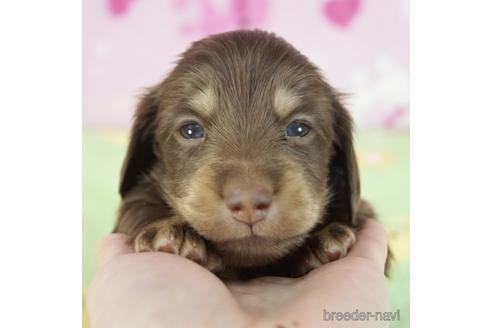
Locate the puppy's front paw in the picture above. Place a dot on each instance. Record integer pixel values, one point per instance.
(329, 244)
(334, 242)
(173, 236)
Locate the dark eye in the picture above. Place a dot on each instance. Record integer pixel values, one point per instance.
(192, 131)
(297, 129)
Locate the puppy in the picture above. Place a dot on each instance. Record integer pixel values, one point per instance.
(242, 161)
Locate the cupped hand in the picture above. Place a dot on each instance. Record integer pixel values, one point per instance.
(164, 290)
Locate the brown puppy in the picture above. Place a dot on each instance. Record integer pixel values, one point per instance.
(242, 160)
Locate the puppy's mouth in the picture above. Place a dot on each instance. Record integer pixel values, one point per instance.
(256, 250)
(259, 241)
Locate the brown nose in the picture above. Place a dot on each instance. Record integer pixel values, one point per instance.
(248, 203)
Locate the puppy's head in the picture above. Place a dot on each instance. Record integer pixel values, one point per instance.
(250, 146)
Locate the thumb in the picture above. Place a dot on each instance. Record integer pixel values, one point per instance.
(372, 243)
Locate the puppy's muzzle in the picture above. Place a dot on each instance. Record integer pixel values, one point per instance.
(248, 203)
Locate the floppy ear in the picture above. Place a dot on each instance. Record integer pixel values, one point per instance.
(140, 155)
(344, 172)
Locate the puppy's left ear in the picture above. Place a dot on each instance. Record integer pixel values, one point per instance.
(343, 171)
(140, 155)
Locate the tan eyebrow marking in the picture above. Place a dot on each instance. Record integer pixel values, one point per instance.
(204, 101)
(284, 102)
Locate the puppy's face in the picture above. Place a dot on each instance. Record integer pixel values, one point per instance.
(243, 134)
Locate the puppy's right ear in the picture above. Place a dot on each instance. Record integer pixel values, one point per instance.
(344, 172)
(140, 155)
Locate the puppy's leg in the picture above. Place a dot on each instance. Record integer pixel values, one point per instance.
(174, 236)
(327, 245)
(153, 226)
(333, 242)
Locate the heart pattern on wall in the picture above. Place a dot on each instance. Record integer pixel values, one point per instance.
(341, 12)
(119, 7)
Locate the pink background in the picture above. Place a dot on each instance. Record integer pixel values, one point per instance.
(362, 46)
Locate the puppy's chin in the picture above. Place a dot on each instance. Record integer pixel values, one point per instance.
(264, 243)
(256, 251)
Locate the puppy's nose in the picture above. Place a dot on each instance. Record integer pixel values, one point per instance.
(248, 203)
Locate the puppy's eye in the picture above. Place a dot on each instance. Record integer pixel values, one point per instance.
(297, 129)
(192, 131)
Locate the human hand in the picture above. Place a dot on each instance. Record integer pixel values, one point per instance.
(157, 289)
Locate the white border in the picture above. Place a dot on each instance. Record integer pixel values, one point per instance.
(451, 163)
(40, 163)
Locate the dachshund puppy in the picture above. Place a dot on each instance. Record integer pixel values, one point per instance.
(242, 161)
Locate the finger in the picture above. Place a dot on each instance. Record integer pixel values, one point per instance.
(112, 246)
(372, 243)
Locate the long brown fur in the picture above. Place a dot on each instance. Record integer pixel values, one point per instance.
(244, 88)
